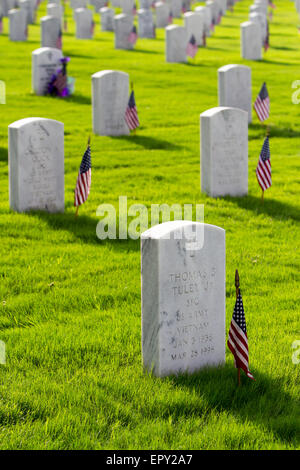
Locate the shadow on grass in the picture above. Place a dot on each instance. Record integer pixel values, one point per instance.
(149, 143)
(80, 99)
(3, 154)
(83, 228)
(264, 402)
(275, 131)
(274, 62)
(270, 207)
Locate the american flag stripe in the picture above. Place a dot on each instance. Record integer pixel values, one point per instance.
(238, 339)
(84, 179)
(131, 115)
(263, 169)
(262, 104)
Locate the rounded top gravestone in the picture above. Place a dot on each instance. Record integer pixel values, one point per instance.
(36, 165)
(224, 152)
(234, 87)
(183, 297)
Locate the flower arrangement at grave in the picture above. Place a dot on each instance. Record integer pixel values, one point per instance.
(60, 84)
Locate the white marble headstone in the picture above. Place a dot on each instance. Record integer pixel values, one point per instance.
(123, 25)
(183, 298)
(84, 23)
(107, 18)
(50, 31)
(193, 23)
(162, 12)
(251, 46)
(110, 93)
(175, 7)
(36, 165)
(235, 88)
(54, 9)
(261, 19)
(17, 25)
(127, 6)
(205, 13)
(45, 62)
(224, 152)
(78, 4)
(29, 8)
(176, 43)
(146, 26)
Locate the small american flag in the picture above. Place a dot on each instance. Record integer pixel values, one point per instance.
(263, 170)
(84, 179)
(134, 9)
(192, 47)
(170, 18)
(262, 104)
(238, 339)
(212, 26)
(59, 40)
(132, 38)
(271, 4)
(219, 19)
(131, 116)
(204, 40)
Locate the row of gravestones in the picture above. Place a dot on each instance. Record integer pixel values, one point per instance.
(36, 155)
(183, 278)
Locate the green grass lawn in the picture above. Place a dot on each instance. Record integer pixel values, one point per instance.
(70, 311)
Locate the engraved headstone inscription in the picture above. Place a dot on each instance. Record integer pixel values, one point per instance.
(110, 89)
(224, 152)
(45, 62)
(36, 165)
(183, 297)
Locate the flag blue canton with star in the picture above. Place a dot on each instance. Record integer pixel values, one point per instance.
(239, 314)
(265, 151)
(86, 161)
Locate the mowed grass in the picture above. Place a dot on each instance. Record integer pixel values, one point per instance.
(70, 310)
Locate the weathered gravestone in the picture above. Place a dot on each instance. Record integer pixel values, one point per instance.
(176, 43)
(224, 152)
(128, 6)
(17, 25)
(84, 23)
(263, 4)
(50, 32)
(214, 9)
(45, 62)
(162, 12)
(175, 7)
(53, 9)
(261, 19)
(145, 24)
(206, 17)
(234, 87)
(123, 25)
(110, 91)
(193, 23)
(183, 297)
(107, 19)
(29, 9)
(36, 165)
(251, 47)
(78, 4)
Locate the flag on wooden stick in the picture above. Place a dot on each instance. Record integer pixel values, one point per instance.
(238, 339)
(84, 178)
(263, 169)
(262, 104)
